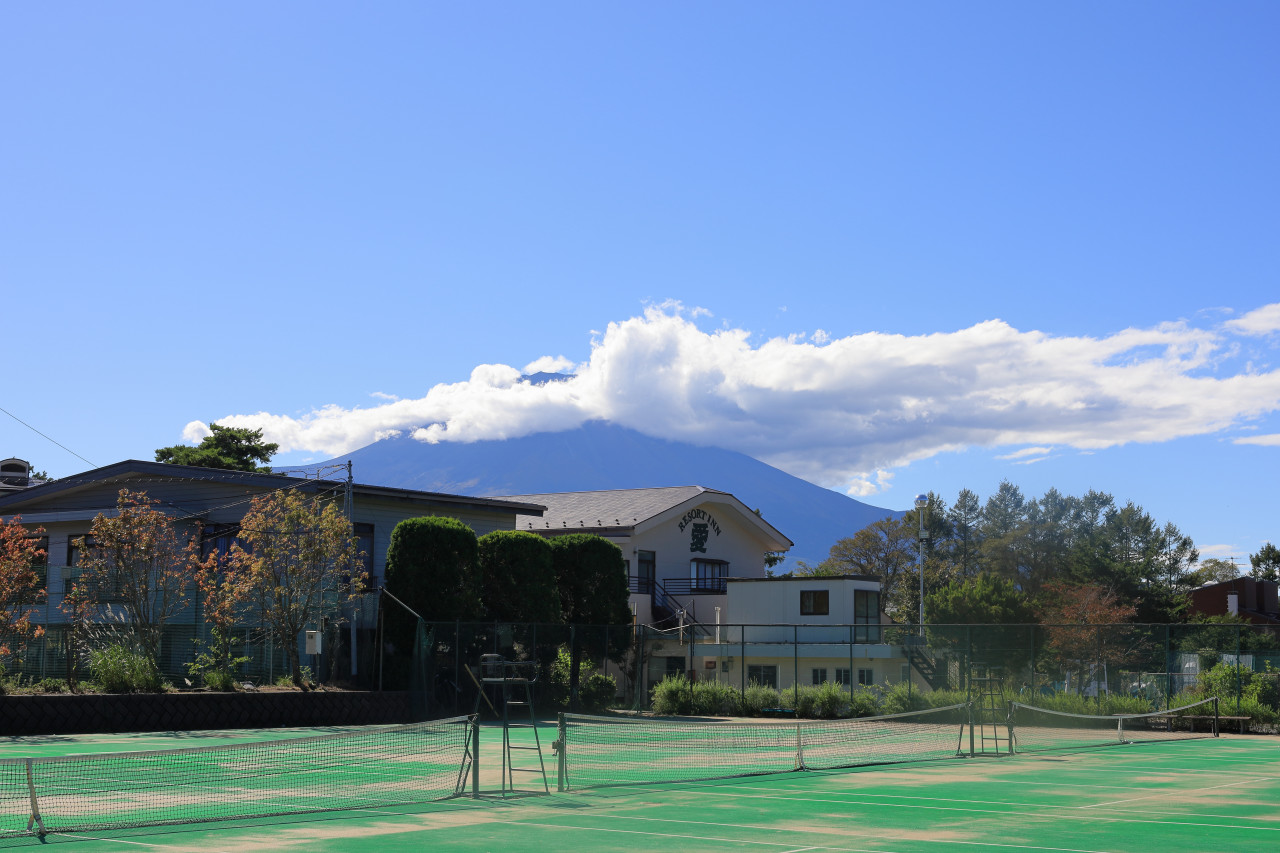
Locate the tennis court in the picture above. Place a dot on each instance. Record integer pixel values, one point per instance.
(1219, 794)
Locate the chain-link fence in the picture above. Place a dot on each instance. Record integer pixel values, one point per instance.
(1152, 664)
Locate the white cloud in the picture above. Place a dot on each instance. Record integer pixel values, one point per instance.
(1027, 451)
(381, 395)
(1272, 440)
(1260, 321)
(548, 364)
(196, 432)
(842, 413)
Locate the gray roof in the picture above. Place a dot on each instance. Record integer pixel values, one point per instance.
(620, 509)
(614, 511)
(133, 471)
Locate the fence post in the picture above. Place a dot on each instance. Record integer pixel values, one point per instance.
(849, 680)
(1168, 666)
(795, 668)
(1238, 670)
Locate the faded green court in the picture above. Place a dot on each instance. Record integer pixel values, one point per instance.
(1213, 794)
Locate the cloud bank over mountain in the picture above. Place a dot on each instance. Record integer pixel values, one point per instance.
(843, 412)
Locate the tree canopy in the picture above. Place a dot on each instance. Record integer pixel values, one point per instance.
(431, 567)
(300, 551)
(1266, 563)
(517, 577)
(226, 448)
(1031, 543)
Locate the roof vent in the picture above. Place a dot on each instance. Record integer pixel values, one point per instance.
(15, 473)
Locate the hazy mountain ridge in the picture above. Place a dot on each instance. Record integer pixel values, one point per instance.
(600, 456)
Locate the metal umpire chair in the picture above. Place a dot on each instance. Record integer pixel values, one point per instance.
(511, 683)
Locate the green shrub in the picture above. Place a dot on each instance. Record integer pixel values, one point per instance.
(830, 701)
(903, 697)
(286, 680)
(758, 697)
(219, 679)
(944, 698)
(864, 703)
(715, 699)
(121, 669)
(597, 691)
(1227, 681)
(672, 696)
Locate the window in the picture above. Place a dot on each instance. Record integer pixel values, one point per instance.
(842, 676)
(41, 562)
(819, 676)
(675, 666)
(866, 616)
(364, 545)
(815, 602)
(764, 675)
(647, 566)
(708, 575)
(218, 537)
(76, 546)
(866, 677)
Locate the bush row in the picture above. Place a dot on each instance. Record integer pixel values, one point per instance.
(676, 696)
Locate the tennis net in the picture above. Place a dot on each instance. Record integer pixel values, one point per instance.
(1038, 729)
(599, 751)
(338, 772)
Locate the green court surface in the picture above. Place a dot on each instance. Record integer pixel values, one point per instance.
(1218, 794)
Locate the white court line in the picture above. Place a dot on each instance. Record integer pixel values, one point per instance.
(1046, 806)
(79, 837)
(1004, 813)
(791, 831)
(1166, 793)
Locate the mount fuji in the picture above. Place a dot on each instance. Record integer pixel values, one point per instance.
(598, 456)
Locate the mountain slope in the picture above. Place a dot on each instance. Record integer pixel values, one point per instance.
(602, 456)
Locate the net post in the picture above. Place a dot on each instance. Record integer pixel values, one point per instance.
(475, 756)
(34, 818)
(969, 710)
(562, 778)
(1215, 716)
(1010, 709)
(799, 743)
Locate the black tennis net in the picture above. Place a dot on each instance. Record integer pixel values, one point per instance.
(338, 772)
(1038, 729)
(599, 751)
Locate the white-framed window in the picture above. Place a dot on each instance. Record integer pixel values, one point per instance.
(819, 675)
(842, 676)
(866, 677)
(708, 575)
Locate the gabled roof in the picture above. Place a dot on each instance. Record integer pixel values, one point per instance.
(618, 512)
(133, 472)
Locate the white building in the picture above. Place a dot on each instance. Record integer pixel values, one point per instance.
(681, 544)
(787, 631)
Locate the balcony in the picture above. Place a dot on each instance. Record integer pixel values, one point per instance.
(697, 586)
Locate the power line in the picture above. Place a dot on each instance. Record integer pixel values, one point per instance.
(42, 435)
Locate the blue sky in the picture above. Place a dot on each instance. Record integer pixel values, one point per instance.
(887, 247)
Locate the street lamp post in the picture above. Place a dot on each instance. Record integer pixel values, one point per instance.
(922, 503)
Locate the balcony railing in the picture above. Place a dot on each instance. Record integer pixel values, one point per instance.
(639, 585)
(696, 586)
